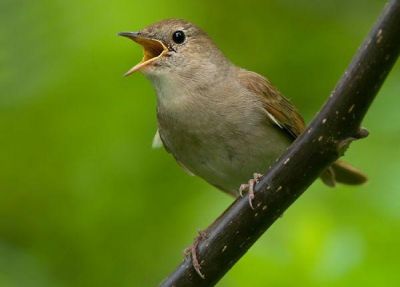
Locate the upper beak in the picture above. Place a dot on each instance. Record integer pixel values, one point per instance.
(152, 49)
(131, 35)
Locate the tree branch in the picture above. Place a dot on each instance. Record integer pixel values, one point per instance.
(324, 141)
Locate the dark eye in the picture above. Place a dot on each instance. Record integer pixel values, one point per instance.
(178, 37)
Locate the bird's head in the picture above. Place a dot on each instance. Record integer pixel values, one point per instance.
(175, 47)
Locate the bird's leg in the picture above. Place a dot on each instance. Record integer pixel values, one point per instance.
(249, 187)
(192, 251)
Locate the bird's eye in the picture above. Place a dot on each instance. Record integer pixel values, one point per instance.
(178, 37)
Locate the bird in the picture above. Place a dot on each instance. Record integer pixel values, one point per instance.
(219, 121)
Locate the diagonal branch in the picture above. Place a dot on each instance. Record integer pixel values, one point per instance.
(325, 140)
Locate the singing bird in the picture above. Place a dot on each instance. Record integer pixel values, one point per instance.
(221, 122)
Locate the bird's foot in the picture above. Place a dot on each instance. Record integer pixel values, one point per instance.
(192, 251)
(249, 187)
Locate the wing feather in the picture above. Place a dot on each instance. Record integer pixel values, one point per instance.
(279, 109)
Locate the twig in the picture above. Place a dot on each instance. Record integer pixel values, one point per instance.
(325, 140)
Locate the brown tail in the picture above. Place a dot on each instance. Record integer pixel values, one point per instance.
(343, 172)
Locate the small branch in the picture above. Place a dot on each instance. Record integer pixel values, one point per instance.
(327, 137)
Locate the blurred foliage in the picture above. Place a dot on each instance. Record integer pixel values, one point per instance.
(85, 201)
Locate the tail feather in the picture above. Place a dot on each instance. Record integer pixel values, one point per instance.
(342, 172)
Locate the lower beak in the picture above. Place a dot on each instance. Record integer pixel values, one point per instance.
(152, 49)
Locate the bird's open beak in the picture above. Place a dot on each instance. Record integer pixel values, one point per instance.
(152, 49)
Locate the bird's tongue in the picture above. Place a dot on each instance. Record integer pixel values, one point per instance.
(152, 49)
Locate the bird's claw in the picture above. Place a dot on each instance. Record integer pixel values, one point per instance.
(249, 187)
(192, 251)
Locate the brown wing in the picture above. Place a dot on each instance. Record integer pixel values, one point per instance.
(279, 109)
(281, 112)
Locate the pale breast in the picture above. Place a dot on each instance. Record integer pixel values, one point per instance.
(220, 134)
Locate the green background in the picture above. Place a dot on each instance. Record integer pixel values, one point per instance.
(85, 201)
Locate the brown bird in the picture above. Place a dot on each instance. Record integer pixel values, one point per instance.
(219, 121)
